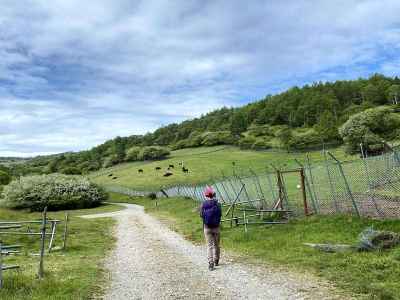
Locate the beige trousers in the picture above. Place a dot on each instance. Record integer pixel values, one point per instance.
(212, 236)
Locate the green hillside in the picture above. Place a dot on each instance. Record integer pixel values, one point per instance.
(204, 164)
(301, 118)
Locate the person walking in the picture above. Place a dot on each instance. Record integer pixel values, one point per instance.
(211, 213)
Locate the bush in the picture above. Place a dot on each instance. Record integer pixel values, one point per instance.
(217, 138)
(132, 154)
(261, 144)
(5, 178)
(369, 127)
(111, 161)
(260, 130)
(71, 171)
(153, 153)
(305, 139)
(55, 191)
(247, 142)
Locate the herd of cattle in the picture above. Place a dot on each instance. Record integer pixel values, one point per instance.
(158, 168)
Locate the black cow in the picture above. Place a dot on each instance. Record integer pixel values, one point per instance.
(140, 171)
(171, 166)
(158, 168)
(168, 174)
(115, 177)
(185, 170)
(110, 175)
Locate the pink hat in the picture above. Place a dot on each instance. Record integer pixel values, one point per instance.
(209, 192)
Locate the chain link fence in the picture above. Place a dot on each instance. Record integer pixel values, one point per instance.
(369, 187)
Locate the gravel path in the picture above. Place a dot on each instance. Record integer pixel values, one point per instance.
(152, 262)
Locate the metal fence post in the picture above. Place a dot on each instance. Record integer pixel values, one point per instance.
(346, 183)
(370, 185)
(331, 183)
(311, 183)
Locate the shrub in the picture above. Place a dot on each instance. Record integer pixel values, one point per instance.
(305, 139)
(153, 153)
(132, 154)
(5, 178)
(369, 127)
(260, 130)
(260, 144)
(111, 161)
(247, 142)
(56, 191)
(217, 138)
(71, 171)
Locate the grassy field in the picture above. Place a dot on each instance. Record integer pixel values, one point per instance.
(204, 164)
(72, 274)
(367, 275)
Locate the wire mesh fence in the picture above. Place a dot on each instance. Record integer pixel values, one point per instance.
(369, 187)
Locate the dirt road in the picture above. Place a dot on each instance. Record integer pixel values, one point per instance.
(152, 262)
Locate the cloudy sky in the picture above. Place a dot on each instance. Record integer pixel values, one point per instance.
(75, 73)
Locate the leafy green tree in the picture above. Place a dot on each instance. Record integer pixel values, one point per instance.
(373, 94)
(369, 127)
(5, 178)
(393, 93)
(285, 136)
(153, 153)
(327, 128)
(133, 153)
(238, 123)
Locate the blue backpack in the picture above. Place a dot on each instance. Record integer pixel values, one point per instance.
(211, 212)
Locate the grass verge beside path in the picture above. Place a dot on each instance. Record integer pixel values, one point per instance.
(76, 273)
(371, 275)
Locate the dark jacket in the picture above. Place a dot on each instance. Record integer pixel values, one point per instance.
(208, 204)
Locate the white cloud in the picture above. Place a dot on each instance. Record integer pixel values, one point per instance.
(74, 73)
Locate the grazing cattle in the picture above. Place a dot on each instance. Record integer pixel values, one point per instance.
(158, 168)
(140, 171)
(110, 175)
(171, 166)
(115, 177)
(185, 170)
(180, 163)
(168, 174)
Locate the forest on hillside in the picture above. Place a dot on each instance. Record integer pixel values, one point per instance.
(350, 112)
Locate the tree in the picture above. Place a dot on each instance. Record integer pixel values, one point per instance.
(393, 93)
(153, 153)
(372, 93)
(5, 178)
(285, 137)
(238, 123)
(326, 127)
(132, 153)
(369, 127)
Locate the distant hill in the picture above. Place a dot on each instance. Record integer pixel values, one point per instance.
(297, 119)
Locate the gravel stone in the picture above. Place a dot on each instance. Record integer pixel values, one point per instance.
(150, 261)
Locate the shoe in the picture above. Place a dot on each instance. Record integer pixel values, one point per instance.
(216, 263)
(211, 266)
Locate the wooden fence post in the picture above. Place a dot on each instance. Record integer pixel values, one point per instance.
(303, 190)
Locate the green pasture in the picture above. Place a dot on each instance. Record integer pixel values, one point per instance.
(364, 275)
(205, 164)
(76, 273)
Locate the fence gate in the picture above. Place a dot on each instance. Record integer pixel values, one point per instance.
(296, 183)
